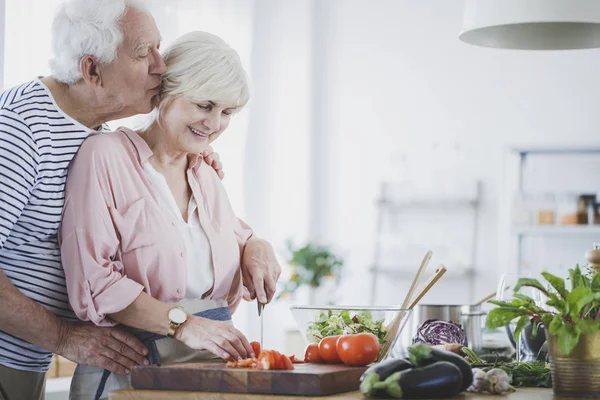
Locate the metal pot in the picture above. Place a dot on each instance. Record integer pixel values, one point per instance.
(576, 374)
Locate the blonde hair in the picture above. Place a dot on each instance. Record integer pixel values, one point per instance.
(200, 67)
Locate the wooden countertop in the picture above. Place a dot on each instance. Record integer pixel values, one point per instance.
(520, 394)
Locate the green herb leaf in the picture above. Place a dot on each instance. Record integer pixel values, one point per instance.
(596, 283)
(578, 298)
(556, 325)
(529, 282)
(557, 283)
(525, 374)
(501, 303)
(521, 323)
(588, 326)
(499, 317)
(559, 304)
(524, 299)
(568, 336)
(547, 320)
(534, 330)
(576, 278)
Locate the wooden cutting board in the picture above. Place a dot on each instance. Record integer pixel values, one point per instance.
(305, 379)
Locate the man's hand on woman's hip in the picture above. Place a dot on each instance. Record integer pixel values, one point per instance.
(105, 347)
(260, 270)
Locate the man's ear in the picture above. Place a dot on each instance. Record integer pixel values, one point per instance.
(90, 70)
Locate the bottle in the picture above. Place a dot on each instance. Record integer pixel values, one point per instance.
(593, 257)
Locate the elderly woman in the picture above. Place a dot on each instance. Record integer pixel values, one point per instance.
(148, 238)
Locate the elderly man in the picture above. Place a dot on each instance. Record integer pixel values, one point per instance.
(106, 66)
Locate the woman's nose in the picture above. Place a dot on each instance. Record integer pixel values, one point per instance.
(213, 122)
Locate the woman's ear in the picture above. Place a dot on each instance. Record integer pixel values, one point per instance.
(90, 70)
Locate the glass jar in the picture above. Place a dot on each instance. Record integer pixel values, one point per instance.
(545, 209)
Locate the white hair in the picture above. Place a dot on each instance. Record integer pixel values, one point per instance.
(200, 67)
(87, 27)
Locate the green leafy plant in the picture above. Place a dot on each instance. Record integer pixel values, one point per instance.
(310, 264)
(570, 313)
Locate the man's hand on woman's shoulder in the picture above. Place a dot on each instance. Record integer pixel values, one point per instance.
(212, 159)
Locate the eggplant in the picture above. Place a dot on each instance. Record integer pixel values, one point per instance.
(386, 368)
(422, 355)
(442, 379)
(382, 370)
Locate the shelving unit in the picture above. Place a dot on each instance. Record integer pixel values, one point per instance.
(518, 157)
(389, 205)
(554, 230)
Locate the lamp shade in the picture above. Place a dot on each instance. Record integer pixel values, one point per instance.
(532, 24)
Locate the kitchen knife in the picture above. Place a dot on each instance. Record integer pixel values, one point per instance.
(261, 308)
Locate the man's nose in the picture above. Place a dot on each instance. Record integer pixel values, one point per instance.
(158, 65)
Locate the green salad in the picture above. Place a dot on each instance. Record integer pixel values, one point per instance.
(343, 322)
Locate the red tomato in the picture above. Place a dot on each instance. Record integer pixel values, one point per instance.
(295, 360)
(287, 363)
(311, 355)
(255, 348)
(358, 349)
(272, 359)
(266, 360)
(328, 350)
(278, 360)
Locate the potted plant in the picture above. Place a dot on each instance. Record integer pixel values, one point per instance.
(310, 266)
(571, 319)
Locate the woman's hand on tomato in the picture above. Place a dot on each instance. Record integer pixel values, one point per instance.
(358, 349)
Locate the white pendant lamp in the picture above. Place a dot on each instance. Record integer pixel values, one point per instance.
(532, 24)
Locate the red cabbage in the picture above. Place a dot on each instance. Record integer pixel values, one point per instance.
(435, 331)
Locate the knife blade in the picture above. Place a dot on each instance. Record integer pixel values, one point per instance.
(261, 308)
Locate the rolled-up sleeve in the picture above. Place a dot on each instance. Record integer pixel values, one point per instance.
(242, 233)
(96, 283)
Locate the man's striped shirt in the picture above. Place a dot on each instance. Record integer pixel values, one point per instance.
(37, 142)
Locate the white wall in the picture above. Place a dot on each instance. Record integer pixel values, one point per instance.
(404, 83)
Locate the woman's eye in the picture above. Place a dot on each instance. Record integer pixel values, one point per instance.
(226, 112)
(203, 107)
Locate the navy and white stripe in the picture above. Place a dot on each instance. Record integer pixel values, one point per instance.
(37, 142)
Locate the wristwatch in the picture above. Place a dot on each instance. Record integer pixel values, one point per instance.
(177, 316)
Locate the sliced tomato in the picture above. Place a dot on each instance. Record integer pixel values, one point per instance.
(295, 360)
(255, 348)
(287, 363)
(278, 360)
(266, 360)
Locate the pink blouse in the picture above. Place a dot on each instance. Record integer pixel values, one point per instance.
(116, 241)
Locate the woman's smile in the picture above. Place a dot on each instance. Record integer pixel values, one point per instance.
(198, 133)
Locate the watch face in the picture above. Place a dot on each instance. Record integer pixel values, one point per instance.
(177, 315)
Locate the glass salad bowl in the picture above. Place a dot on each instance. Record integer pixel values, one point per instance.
(316, 322)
